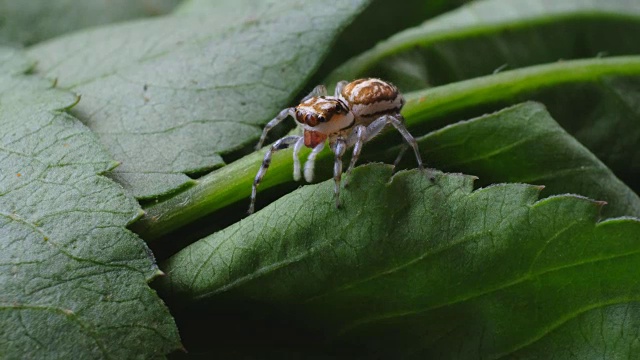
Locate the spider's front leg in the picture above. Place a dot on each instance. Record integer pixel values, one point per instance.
(319, 90)
(338, 148)
(283, 143)
(296, 159)
(275, 121)
(310, 165)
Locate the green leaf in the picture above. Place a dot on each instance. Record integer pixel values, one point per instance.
(377, 22)
(590, 95)
(28, 22)
(524, 144)
(486, 36)
(597, 101)
(169, 96)
(412, 269)
(73, 278)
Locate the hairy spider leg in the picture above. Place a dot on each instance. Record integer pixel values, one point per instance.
(362, 134)
(310, 165)
(276, 120)
(283, 143)
(339, 87)
(338, 148)
(296, 160)
(317, 91)
(376, 126)
(357, 138)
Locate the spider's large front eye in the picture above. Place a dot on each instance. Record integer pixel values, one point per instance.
(299, 116)
(321, 119)
(310, 120)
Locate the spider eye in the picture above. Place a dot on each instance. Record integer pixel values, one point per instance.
(311, 119)
(321, 118)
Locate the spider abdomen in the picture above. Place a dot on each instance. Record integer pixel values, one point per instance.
(369, 98)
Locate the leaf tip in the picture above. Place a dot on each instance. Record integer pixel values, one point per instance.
(159, 273)
(78, 98)
(600, 203)
(139, 214)
(73, 103)
(113, 164)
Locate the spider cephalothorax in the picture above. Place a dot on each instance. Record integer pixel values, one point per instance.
(322, 116)
(356, 113)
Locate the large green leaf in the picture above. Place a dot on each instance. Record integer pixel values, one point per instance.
(485, 36)
(589, 95)
(378, 21)
(28, 22)
(524, 144)
(414, 269)
(169, 96)
(73, 278)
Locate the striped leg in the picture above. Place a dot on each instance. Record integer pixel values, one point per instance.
(310, 165)
(283, 143)
(357, 139)
(338, 148)
(276, 120)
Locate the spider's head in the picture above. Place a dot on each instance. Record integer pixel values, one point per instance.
(324, 114)
(321, 117)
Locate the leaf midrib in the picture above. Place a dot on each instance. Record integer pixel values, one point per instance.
(525, 277)
(518, 281)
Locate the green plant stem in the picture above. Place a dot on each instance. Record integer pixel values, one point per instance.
(435, 102)
(232, 183)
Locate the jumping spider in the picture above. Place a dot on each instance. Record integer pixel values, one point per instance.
(356, 113)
